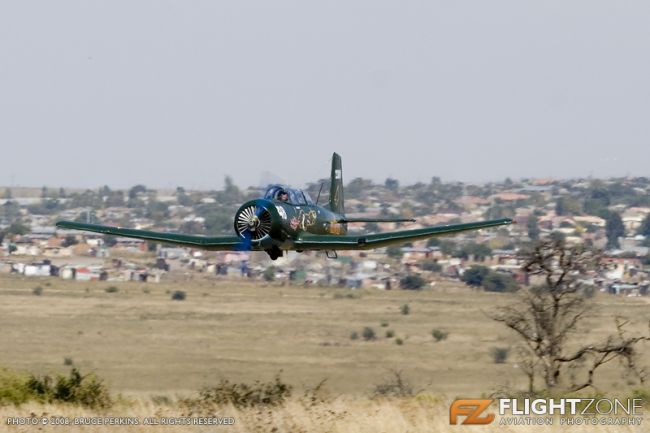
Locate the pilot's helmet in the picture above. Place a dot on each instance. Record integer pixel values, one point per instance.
(282, 192)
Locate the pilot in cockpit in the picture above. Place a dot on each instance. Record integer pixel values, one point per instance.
(283, 195)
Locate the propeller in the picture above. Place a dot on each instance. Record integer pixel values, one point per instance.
(252, 224)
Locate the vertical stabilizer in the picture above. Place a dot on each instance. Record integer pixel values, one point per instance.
(336, 188)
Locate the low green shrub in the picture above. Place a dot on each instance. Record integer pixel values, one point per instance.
(500, 354)
(439, 335)
(76, 389)
(368, 334)
(178, 295)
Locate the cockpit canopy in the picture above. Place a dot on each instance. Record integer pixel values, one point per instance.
(296, 196)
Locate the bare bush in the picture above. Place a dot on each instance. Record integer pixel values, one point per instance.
(546, 316)
(272, 393)
(396, 386)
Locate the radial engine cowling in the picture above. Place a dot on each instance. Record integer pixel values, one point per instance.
(258, 222)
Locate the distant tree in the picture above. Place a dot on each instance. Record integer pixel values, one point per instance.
(494, 212)
(231, 190)
(412, 282)
(433, 242)
(61, 192)
(357, 188)
(69, 240)
(474, 276)
(87, 217)
(598, 198)
(157, 211)
(566, 205)
(392, 184)
(447, 247)
(104, 191)
(10, 211)
(135, 190)
(7, 194)
(533, 227)
(430, 265)
(44, 193)
(114, 199)
(499, 282)
(394, 252)
(193, 227)
(110, 240)
(17, 228)
(478, 251)
(88, 198)
(182, 198)
(47, 206)
(614, 229)
(217, 219)
(499, 211)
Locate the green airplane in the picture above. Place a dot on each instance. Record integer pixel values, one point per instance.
(288, 219)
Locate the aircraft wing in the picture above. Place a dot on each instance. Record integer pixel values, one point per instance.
(366, 242)
(222, 243)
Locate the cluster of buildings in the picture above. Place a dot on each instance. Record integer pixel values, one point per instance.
(575, 210)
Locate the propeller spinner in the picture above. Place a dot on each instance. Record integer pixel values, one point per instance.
(253, 222)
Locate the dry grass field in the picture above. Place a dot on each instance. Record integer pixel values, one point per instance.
(342, 415)
(143, 344)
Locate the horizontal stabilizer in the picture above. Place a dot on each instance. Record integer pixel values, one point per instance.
(375, 220)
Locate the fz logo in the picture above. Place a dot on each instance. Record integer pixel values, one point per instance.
(471, 410)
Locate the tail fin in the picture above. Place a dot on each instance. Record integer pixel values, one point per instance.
(336, 188)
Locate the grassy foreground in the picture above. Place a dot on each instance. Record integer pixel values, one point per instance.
(342, 415)
(150, 348)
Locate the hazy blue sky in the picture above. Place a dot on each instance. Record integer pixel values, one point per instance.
(170, 93)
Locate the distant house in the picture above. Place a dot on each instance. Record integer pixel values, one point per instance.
(587, 220)
(25, 247)
(618, 268)
(413, 255)
(632, 223)
(509, 196)
(130, 244)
